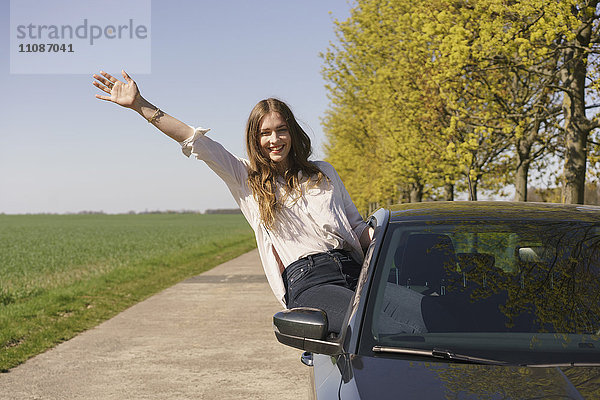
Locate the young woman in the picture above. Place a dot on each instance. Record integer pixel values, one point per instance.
(310, 235)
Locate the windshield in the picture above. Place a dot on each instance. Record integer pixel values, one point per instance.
(525, 292)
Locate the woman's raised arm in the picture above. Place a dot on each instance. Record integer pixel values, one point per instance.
(127, 94)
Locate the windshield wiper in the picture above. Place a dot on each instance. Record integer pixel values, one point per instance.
(563, 364)
(437, 353)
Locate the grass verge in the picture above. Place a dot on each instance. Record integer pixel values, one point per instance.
(49, 315)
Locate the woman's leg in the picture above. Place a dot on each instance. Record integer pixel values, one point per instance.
(320, 282)
(333, 299)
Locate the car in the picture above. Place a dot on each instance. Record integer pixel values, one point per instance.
(464, 300)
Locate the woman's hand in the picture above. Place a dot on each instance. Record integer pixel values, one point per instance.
(366, 238)
(125, 93)
(128, 95)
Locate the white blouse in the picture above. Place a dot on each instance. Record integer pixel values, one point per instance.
(321, 218)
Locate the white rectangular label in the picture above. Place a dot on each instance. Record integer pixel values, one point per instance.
(79, 36)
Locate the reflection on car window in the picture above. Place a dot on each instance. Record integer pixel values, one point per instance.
(529, 279)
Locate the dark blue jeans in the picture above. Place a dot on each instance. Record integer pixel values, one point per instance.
(326, 281)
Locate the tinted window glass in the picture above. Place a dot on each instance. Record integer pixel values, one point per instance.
(525, 286)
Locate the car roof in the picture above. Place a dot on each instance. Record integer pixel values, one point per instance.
(492, 210)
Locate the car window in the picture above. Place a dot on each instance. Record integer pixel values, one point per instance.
(482, 285)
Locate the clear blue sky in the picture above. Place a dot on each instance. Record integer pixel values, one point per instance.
(62, 150)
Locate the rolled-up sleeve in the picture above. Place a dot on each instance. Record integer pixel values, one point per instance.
(187, 144)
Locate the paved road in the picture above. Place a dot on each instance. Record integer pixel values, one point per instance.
(209, 337)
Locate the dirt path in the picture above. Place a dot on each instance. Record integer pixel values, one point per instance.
(209, 337)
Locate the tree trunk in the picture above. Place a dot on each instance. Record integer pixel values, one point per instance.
(473, 190)
(575, 157)
(576, 134)
(521, 181)
(449, 192)
(372, 207)
(522, 173)
(577, 126)
(416, 192)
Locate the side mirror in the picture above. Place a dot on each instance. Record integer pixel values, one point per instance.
(306, 329)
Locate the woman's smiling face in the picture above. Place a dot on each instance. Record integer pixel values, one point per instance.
(275, 140)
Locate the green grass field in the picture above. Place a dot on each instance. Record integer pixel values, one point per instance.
(63, 274)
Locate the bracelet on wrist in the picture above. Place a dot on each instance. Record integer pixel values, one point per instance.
(153, 117)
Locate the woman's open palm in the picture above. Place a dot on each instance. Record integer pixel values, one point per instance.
(122, 93)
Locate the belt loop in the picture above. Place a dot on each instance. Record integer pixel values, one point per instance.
(310, 261)
(334, 254)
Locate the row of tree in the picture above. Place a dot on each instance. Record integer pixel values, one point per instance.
(428, 98)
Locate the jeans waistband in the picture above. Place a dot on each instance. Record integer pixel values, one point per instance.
(311, 258)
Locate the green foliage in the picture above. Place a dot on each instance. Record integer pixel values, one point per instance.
(431, 94)
(60, 275)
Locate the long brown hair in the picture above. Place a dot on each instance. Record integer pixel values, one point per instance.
(263, 171)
